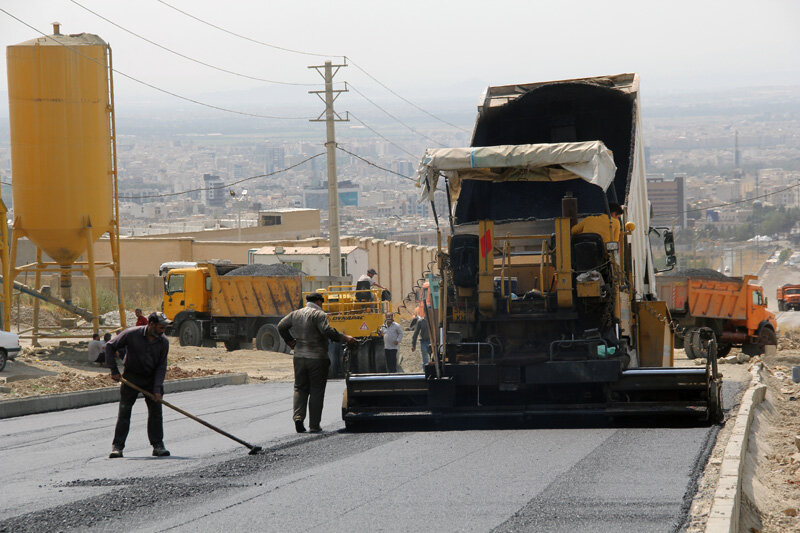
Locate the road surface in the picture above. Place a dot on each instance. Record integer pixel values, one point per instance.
(55, 474)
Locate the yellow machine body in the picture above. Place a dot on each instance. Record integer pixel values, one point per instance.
(351, 313)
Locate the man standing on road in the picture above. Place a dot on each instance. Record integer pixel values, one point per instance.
(146, 366)
(392, 335)
(311, 331)
(421, 332)
(141, 320)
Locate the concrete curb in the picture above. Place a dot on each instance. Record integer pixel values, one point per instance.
(724, 514)
(73, 400)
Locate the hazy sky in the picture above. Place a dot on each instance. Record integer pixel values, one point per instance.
(429, 50)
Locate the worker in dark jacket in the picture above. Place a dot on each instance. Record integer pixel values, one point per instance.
(421, 332)
(311, 331)
(146, 366)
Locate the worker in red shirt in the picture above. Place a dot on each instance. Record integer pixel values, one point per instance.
(141, 320)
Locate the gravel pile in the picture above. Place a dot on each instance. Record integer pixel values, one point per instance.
(278, 269)
(705, 273)
(111, 319)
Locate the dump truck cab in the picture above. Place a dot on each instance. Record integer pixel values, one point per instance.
(187, 289)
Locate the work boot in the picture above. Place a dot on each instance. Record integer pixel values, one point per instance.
(315, 430)
(160, 451)
(299, 427)
(116, 453)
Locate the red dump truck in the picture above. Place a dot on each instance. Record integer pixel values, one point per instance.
(789, 297)
(733, 307)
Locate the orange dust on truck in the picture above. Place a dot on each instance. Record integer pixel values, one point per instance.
(734, 308)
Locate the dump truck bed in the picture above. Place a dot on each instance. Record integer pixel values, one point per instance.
(254, 296)
(724, 298)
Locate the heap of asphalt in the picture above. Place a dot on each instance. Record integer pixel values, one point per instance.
(136, 494)
(278, 269)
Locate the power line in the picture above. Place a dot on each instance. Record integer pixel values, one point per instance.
(350, 86)
(367, 161)
(220, 28)
(726, 204)
(184, 55)
(224, 185)
(370, 128)
(346, 58)
(146, 84)
(409, 102)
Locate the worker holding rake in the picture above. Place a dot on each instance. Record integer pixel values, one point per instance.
(146, 367)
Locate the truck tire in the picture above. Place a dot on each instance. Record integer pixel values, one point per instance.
(268, 338)
(232, 345)
(3, 359)
(189, 333)
(687, 343)
(697, 344)
(780, 306)
(766, 336)
(723, 350)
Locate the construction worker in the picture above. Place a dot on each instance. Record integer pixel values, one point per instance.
(421, 332)
(141, 320)
(607, 227)
(311, 331)
(96, 349)
(146, 366)
(392, 335)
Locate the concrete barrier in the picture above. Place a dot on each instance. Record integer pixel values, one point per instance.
(73, 400)
(724, 514)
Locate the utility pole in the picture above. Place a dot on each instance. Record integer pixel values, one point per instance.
(327, 72)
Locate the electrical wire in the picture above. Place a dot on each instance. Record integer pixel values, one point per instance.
(367, 161)
(351, 86)
(220, 28)
(370, 128)
(147, 84)
(209, 65)
(224, 185)
(409, 102)
(346, 59)
(726, 204)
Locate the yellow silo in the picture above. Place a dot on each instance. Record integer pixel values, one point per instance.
(62, 155)
(60, 142)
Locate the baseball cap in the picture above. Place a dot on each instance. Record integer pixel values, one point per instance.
(159, 318)
(372, 271)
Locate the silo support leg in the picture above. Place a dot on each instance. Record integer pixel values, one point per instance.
(37, 283)
(114, 240)
(92, 279)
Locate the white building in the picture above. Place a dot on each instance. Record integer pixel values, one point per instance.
(314, 260)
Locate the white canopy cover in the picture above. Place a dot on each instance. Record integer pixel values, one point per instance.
(591, 161)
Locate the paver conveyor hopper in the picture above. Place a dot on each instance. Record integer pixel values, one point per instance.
(533, 315)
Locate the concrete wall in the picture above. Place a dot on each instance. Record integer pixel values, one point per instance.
(399, 264)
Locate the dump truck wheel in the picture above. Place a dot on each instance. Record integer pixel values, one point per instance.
(766, 337)
(723, 350)
(232, 345)
(688, 345)
(3, 359)
(189, 333)
(268, 338)
(697, 344)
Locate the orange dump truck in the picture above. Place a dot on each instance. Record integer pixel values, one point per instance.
(734, 308)
(789, 297)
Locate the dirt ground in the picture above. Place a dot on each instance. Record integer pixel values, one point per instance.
(63, 366)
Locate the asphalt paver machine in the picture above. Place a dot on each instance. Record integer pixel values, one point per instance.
(532, 316)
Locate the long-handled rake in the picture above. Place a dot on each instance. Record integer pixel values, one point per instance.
(253, 449)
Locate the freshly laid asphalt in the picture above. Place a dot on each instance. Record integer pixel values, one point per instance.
(56, 476)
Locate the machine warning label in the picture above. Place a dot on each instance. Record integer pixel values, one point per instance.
(364, 326)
